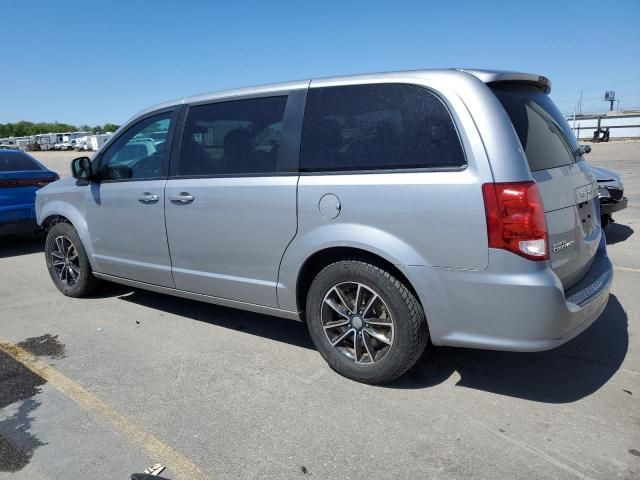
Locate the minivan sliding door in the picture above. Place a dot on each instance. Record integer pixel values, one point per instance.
(231, 199)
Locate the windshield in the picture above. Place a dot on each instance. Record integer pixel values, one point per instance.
(545, 135)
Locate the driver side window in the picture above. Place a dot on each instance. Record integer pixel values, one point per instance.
(140, 152)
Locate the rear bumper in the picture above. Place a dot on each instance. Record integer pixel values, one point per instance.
(521, 308)
(611, 207)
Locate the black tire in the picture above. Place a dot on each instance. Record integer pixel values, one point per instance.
(409, 335)
(78, 280)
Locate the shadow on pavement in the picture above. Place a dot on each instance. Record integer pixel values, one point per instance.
(617, 232)
(273, 328)
(15, 245)
(565, 374)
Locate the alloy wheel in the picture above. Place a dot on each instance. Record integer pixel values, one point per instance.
(65, 261)
(357, 323)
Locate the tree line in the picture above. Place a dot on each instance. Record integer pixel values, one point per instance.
(24, 129)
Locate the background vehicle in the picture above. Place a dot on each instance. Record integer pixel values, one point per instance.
(20, 176)
(68, 144)
(46, 141)
(95, 142)
(23, 142)
(382, 209)
(610, 193)
(80, 143)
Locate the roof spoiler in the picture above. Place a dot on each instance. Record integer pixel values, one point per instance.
(496, 76)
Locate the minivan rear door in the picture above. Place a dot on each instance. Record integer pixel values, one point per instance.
(566, 183)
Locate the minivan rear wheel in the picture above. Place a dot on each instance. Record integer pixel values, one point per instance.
(67, 261)
(365, 323)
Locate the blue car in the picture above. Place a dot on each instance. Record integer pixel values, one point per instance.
(20, 176)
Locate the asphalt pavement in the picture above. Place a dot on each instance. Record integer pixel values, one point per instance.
(106, 386)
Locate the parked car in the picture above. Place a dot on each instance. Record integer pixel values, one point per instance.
(20, 176)
(610, 193)
(384, 210)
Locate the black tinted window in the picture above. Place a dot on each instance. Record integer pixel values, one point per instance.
(545, 135)
(364, 127)
(16, 161)
(140, 152)
(238, 137)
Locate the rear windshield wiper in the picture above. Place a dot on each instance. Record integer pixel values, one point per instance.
(581, 150)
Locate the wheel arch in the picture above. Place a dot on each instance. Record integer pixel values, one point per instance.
(322, 258)
(52, 219)
(57, 211)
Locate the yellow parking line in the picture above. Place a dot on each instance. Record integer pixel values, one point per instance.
(627, 269)
(154, 448)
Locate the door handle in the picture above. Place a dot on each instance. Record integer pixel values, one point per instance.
(182, 197)
(147, 197)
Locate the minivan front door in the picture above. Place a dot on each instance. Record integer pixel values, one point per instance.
(231, 207)
(125, 209)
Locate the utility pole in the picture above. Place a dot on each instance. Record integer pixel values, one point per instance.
(580, 104)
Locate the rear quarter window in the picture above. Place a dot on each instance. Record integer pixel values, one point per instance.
(381, 126)
(12, 162)
(545, 135)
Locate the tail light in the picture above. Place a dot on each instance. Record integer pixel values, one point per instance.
(47, 181)
(28, 182)
(515, 219)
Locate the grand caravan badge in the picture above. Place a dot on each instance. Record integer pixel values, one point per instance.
(556, 247)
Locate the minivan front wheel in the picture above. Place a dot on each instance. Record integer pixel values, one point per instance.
(365, 323)
(67, 261)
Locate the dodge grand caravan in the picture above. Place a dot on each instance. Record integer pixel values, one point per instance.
(383, 210)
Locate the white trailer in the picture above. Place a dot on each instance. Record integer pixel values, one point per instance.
(74, 135)
(59, 145)
(95, 142)
(46, 141)
(80, 143)
(23, 142)
(68, 141)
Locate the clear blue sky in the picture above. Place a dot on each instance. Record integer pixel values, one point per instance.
(95, 62)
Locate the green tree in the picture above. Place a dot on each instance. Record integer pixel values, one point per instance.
(24, 128)
(110, 127)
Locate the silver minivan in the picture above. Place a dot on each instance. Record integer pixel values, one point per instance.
(384, 210)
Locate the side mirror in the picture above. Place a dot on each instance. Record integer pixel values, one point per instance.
(81, 168)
